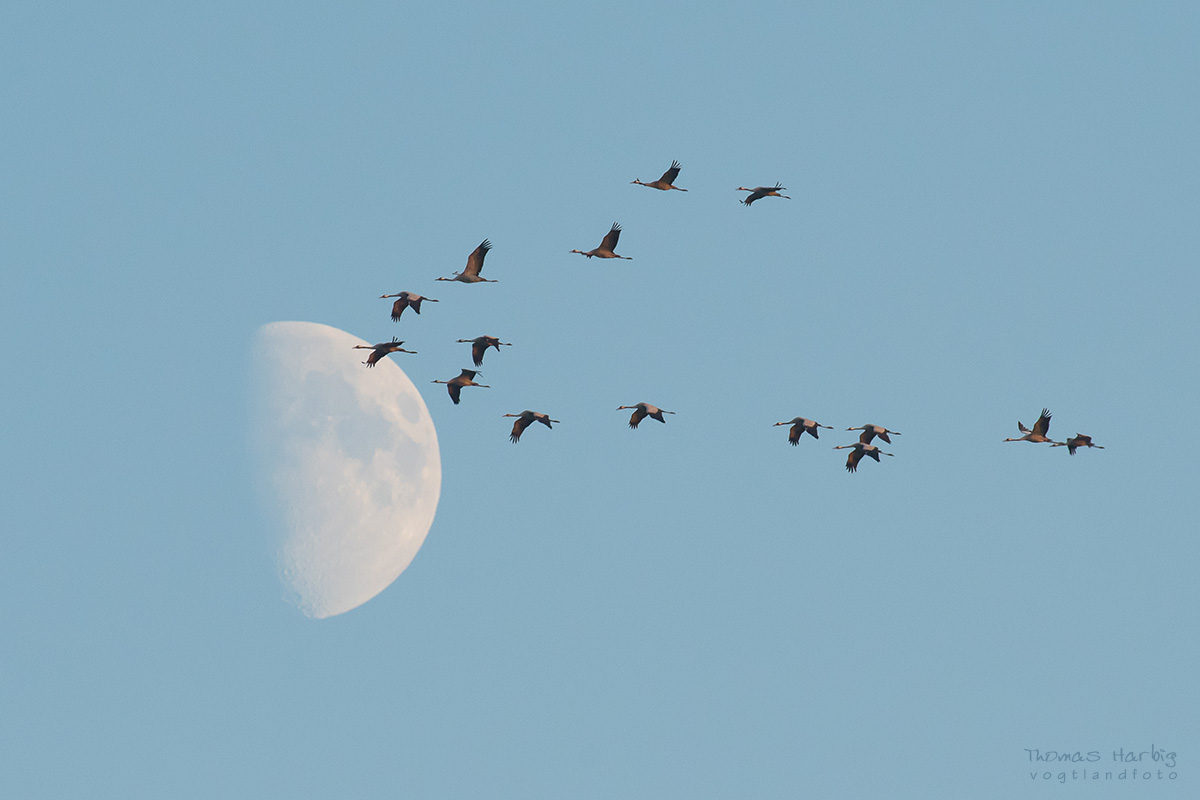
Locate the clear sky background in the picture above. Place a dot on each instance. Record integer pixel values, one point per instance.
(994, 210)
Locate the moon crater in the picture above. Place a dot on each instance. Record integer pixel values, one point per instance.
(348, 461)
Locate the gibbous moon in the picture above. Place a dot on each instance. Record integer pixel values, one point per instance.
(348, 464)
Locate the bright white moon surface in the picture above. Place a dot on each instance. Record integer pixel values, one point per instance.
(348, 462)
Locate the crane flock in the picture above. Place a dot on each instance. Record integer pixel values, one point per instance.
(798, 426)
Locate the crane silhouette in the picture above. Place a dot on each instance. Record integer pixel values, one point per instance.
(1075, 442)
(525, 419)
(470, 273)
(643, 410)
(857, 451)
(605, 250)
(480, 344)
(465, 378)
(869, 432)
(800, 426)
(382, 350)
(407, 300)
(667, 181)
(1040, 429)
(759, 192)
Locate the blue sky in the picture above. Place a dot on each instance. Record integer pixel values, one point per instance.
(994, 211)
